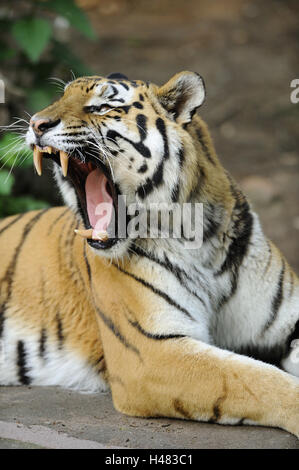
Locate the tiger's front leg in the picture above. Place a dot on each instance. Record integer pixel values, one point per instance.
(184, 378)
(176, 376)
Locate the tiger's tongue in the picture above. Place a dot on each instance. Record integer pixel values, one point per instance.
(99, 202)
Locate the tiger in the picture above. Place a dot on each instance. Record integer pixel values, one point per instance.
(207, 334)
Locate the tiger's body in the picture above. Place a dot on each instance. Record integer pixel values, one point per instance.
(166, 328)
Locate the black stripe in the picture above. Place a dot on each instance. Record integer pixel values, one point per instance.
(119, 100)
(292, 336)
(92, 86)
(137, 105)
(124, 85)
(175, 192)
(100, 364)
(212, 221)
(292, 284)
(9, 274)
(42, 342)
(126, 109)
(74, 127)
(181, 156)
(173, 269)
(57, 220)
(64, 240)
(157, 178)
(112, 327)
(276, 301)
(145, 188)
(198, 184)
(69, 240)
(109, 323)
(242, 232)
(141, 121)
(12, 222)
(269, 258)
(74, 270)
(73, 134)
(60, 335)
(87, 263)
(2, 318)
(99, 360)
(204, 145)
(176, 189)
(242, 229)
(143, 168)
(155, 290)
(273, 354)
(160, 124)
(21, 364)
(115, 92)
(159, 337)
(139, 146)
(270, 355)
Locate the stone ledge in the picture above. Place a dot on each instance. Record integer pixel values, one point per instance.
(34, 417)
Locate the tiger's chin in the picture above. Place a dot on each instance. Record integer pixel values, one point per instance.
(87, 187)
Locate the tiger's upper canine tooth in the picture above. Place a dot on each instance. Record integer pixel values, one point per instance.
(84, 233)
(37, 160)
(64, 162)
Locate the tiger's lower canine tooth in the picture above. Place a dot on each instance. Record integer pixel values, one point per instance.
(103, 236)
(84, 233)
(37, 160)
(64, 162)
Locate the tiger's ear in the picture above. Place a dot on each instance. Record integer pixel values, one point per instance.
(182, 95)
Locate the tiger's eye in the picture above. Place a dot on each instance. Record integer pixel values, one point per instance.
(104, 109)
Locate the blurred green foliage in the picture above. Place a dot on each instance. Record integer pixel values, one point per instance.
(30, 53)
(12, 151)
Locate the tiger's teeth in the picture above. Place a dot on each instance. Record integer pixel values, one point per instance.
(37, 160)
(103, 236)
(48, 149)
(64, 162)
(85, 233)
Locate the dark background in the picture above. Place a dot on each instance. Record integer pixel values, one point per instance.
(247, 52)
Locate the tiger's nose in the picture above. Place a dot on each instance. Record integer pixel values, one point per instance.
(40, 126)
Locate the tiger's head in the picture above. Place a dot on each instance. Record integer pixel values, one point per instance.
(114, 136)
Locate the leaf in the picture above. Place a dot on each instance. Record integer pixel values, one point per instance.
(32, 35)
(6, 182)
(74, 14)
(13, 152)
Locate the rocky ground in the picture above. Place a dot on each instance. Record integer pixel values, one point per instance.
(55, 418)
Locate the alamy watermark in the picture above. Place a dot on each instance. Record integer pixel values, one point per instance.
(155, 220)
(294, 96)
(2, 91)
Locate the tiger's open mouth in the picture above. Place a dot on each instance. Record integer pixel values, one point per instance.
(97, 195)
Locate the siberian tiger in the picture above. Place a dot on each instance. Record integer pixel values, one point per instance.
(206, 334)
